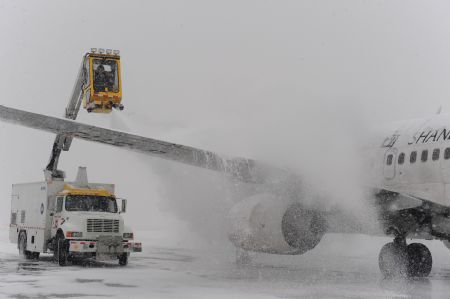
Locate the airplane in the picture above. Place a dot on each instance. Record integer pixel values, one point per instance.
(408, 162)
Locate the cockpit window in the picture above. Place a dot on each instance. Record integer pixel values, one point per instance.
(106, 75)
(401, 158)
(84, 203)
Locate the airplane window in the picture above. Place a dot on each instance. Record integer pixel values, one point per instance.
(447, 153)
(389, 159)
(413, 157)
(436, 154)
(401, 158)
(424, 156)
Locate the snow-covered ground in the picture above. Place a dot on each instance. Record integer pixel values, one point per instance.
(342, 266)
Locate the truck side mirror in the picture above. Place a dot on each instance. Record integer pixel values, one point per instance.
(124, 206)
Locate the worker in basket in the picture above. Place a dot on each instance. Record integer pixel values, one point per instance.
(104, 91)
(103, 80)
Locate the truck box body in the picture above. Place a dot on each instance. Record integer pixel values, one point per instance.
(32, 205)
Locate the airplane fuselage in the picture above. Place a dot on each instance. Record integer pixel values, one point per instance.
(413, 157)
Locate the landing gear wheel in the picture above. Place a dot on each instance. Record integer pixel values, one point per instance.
(123, 259)
(60, 252)
(22, 244)
(393, 260)
(420, 260)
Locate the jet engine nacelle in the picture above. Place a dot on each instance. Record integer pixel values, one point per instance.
(267, 223)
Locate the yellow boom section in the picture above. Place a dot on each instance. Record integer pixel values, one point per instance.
(104, 91)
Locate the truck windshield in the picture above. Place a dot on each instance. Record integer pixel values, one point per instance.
(91, 203)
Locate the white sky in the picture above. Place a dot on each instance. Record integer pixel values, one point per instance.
(211, 74)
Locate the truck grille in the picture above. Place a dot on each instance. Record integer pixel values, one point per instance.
(102, 226)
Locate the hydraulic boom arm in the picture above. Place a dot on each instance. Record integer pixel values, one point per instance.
(99, 86)
(62, 140)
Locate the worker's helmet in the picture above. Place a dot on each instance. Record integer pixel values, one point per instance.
(100, 67)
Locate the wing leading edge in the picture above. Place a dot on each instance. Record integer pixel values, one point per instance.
(242, 169)
(392, 207)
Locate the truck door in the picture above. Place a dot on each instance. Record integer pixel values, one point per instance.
(56, 221)
(389, 163)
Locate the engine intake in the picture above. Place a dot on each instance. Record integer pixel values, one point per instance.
(270, 224)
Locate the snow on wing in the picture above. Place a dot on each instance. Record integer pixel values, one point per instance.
(246, 170)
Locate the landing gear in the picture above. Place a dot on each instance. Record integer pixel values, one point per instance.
(397, 259)
(420, 260)
(393, 260)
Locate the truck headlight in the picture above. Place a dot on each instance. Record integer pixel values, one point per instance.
(128, 236)
(74, 234)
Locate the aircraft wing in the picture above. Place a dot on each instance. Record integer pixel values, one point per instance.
(392, 207)
(242, 169)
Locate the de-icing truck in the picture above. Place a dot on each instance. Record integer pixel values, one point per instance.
(74, 220)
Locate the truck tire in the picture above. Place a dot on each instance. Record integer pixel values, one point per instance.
(123, 259)
(22, 244)
(60, 252)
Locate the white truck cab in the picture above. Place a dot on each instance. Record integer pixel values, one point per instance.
(73, 220)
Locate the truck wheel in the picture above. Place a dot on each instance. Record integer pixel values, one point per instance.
(60, 252)
(22, 244)
(123, 259)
